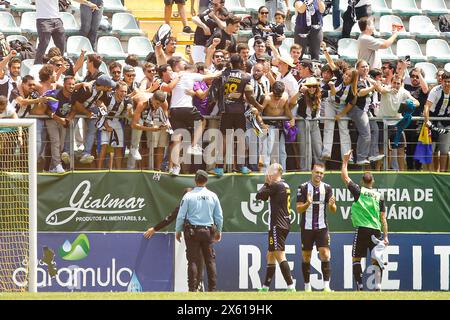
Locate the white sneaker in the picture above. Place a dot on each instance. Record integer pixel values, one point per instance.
(175, 170)
(376, 158)
(65, 158)
(134, 152)
(195, 150)
(363, 162)
(86, 158)
(57, 169)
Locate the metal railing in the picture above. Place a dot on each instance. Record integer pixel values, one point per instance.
(385, 142)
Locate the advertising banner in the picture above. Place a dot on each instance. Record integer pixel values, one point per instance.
(103, 262)
(132, 201)
(414, 262)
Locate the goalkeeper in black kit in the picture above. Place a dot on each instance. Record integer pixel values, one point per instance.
(279, 194)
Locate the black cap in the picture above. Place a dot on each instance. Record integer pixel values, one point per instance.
(201, 175)
(307, 64)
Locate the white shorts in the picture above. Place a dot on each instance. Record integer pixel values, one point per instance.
(158, 139)
(115, 138)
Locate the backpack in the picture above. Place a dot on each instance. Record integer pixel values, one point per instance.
(64, 5)
(444, 23)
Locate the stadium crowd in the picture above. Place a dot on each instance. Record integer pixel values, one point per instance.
(220, 84)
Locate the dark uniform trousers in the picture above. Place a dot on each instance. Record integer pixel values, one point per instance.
(199, 241)
(363, 11)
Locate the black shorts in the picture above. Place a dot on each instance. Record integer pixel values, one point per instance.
(363, 242)
(319, 237)
(277, 238)
(170, 2)
(232, 121)
(183, 118)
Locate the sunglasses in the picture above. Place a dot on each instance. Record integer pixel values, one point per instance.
(219, 56)
(414, 77)
(130, 75)
(264, 12)
(150, 70)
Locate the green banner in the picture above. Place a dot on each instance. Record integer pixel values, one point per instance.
(133, 201)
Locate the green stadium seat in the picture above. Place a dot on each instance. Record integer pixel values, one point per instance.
(51, 44)
(430, 71)
(113, 6)
(235, 6)
(355, 32)
(25, 67)
(140, 46)
(410, 47)
(20, 6)
(77, 43)
(437, 50)
(379, 8)
(34, 70)
(405, 7)
(28, 23)
(348, 49)
(251, 43)
(8, 24)
(71, 26)
(328, 29)
(422, 27)
(110, 48)
(387, 54)
(386, 22)
(252, 6)
(125, 24)
(447, 67)
(434, 7)
(19, 37)
(285, 47)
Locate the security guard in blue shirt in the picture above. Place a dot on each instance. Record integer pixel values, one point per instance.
(200, 218)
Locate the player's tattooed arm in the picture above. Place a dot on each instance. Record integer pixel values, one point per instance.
(385, 227)
(344, 172)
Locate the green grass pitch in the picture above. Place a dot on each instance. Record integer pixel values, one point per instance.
(340, 295)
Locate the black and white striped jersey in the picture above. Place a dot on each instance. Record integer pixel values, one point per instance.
(315, 217)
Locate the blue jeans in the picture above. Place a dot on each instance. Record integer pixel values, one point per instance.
(336, 14)
(41, 136)
(90, 21)
(361, 120)
(88, 139)
(274, 141)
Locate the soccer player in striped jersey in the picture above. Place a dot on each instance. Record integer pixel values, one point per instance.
(313, 198)
(368, 217)
(279, 193)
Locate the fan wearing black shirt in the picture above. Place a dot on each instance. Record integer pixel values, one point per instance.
(419, 90)
(84, 101)
(227, 36)
(207, 22)
(236, 87)
(279, 193)
(60, 106)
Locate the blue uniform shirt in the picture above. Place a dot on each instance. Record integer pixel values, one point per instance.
(201, 207)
